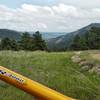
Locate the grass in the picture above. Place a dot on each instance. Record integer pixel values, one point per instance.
(55, 70)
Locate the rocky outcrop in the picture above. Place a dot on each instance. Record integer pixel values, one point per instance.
(86, 65)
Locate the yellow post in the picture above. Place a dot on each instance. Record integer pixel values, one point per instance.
(30, 86)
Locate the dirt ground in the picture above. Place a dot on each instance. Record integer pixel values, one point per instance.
(96, 56)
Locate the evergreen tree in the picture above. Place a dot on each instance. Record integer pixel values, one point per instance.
(6, 44)
(79, 43)
(39, 43)
(93, 38)
(26, 42)
(14, 45)
(90, 40)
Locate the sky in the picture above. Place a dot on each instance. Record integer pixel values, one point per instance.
(48, 15)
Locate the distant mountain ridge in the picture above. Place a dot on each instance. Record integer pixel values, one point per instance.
(57, 41)
(10, 34)
(48, 35)
(63, 42)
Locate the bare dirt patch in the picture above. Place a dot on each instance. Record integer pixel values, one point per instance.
(96, 56)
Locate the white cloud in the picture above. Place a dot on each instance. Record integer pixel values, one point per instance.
(29, 8)
(81, 3)
(61, 17)
(65, 10)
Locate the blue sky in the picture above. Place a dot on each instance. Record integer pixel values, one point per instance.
(48, 15)
(18, 3)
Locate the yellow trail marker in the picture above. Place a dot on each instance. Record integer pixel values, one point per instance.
(30, 86)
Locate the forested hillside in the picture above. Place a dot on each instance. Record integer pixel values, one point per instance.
(90, 33)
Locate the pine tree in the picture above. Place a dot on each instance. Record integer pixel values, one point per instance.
(90, 40)
(14, 45)
(6, 44)
(26, 42)
(39, 43)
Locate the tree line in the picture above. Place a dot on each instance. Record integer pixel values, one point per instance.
(26, 42)
(87, 41)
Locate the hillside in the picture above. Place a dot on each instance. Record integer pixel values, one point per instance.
(55, 70)
(48, 35)
(54, 41)
(10, 34)
(63, 42)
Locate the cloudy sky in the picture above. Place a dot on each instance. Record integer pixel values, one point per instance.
(48, 15)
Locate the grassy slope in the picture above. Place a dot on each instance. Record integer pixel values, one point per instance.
(55, 70)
